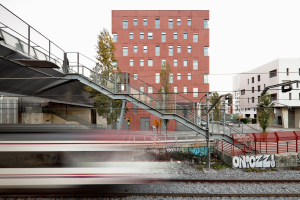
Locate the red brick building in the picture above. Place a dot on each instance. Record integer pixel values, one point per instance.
(146, 38)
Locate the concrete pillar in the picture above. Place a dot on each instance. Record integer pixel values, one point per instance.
(271, 120)
(297, 117)
(285, 117)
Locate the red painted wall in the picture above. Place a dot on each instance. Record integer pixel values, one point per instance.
(147, 73)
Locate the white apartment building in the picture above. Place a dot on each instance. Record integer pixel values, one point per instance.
(248, 87)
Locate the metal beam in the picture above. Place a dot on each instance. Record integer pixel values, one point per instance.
(278, 85)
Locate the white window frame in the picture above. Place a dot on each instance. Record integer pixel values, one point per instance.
(150, 35)
(135, 49)
(123, 51)
(170, 50)
(165, 36)
(142, 62)
(178, 76)
(189, 20)
(150, 90)
(205, 78)
(125, 20)
(135, 20)
(185, 34)
(189, 49)
(145, 21)
(178, 22)
(175, 90)
(131, 35)
(145, 49)
(157, 77)
(185, 62)
(141, 35)
(197, 37)
(150, 62)
(171, 78)
(115, 37)
(157, 53)
(135, 77)
(131, 62)
(175, 62)
(184, 90)
(142, 89)
(163, 61)
(157, 27)
(194, 64)
(189, 76)
(195, 92)
(205, 51)
(170, 20)
(178, 49)
(175, 35)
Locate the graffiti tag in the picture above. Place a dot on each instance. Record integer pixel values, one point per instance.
(245, 162)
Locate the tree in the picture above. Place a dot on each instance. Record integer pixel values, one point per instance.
(106, 107)
(213, 98)
(265, 111)
(165, 91)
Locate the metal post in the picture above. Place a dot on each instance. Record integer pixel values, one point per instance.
(224, 122)
(175, 104)
(115, 77)
(242, 127)
(127, 87)
(121, 118)
(194, 113)
(207, 133)
(49, 49)
(212, 121)
(145, 91)
(163, 106)
(28, 40)
(219, 127)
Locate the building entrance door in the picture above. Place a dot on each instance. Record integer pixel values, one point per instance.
(145, 123)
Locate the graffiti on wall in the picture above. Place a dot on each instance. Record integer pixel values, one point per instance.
(199, 151)
(245, 162)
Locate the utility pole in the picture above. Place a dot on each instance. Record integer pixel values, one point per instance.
(207, 132)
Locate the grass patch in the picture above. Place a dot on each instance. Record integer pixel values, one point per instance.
(219, 166)
(200, 167)
(273, 169)
(253, 170)
(294, 168)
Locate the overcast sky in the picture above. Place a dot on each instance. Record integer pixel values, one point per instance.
(243, 34)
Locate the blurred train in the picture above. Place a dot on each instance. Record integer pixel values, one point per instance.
(47, 157)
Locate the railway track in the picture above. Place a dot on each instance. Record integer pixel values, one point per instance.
(158, 188)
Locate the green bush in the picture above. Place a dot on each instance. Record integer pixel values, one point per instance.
(245, 120)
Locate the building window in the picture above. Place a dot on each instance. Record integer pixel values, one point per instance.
(141, 35)
(185, 63)
(205, 51)
(189, 22)
(145, 49)
(125, 24)
(130, 35)
(252, 99)
(115, 37)
(248, 99)
(163, 62)
(157, 50)
(243, 92)
(142, 62)
(131, 63)
(150, 35)
(189, 49)
(205, 24)
(175, 63)
(157, 23)
(264, 86)
(195, 64)
(171, 78)
(135, 77)
(185, 90)
(175, 35)
(273, 73)
(157, 77)
(189, 76)
(163, 37)
(258, 78)
(299, 71)
(258, 88)
(142, 89)
(175, 91)
(178, 76)
(205, 78)
(170, 50)
(178, 22)
(248, 81)
(252, 79)
(290, 96)
(299, 96)
(274, 97)
(134, 22)
(258, 98)
(195, 92)
(125, 51)
(195, 37)
(184, 35)
(287, 71)
(134, 108)
(150, 62)
(170, 23)
(297, 85)
(178, 49)
(252, 89)
(145, 22)
(150, 90)
(135, 49)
